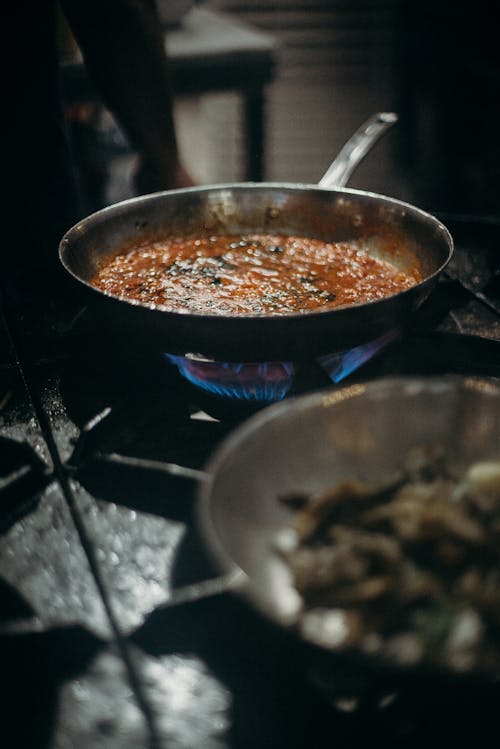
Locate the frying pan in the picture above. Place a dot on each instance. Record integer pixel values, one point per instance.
(308, 444)
(387, 228)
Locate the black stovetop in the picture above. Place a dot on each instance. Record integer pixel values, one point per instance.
(114, 631)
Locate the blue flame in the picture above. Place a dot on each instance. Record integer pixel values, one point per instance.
(266, 382)
(341, 365)
(260, 381)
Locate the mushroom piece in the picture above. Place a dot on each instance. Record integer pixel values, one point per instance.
(413, 564)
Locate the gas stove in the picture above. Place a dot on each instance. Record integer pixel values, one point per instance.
(115, 629)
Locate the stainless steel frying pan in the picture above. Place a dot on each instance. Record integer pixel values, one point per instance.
(386, 227)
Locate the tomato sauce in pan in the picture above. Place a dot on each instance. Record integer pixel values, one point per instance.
(252, 274)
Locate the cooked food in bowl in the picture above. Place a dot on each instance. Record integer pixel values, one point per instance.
(408, 571)
(254, 274)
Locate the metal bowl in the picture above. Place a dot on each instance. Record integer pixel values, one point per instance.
(310, 443)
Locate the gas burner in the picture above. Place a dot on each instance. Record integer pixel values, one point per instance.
(260, 383)
(106, 427)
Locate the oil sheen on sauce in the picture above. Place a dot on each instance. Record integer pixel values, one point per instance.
(251, 274)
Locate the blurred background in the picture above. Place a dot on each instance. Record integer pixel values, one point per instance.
(335, 63)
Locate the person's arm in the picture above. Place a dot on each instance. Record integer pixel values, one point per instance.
(123, 49)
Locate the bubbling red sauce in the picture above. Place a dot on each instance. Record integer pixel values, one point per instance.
(251, 274)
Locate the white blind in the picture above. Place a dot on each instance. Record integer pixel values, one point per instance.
(334, 68)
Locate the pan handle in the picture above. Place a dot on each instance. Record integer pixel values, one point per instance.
(356, 148)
